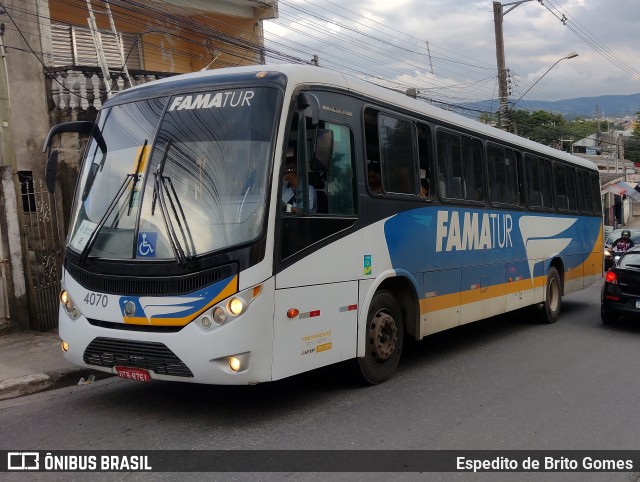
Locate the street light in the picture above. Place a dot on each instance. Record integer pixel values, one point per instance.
(570, 56)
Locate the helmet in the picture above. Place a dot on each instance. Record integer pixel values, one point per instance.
(626, 233)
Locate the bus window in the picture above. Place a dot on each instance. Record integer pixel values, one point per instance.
(565, 181)
(459, 167)
(538, 181)
(472, 165)
(596, 200)
(397, 155)
(330, 189)
(424, 154)
(340, 177)
(503, 175)
(374, 183)
(584, 193)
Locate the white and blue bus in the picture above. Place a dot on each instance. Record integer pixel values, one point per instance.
(185, 260)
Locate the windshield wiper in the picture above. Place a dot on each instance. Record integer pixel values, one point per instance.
(159, 189)
(114, 202)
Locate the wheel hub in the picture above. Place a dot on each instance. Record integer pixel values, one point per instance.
(383, 336)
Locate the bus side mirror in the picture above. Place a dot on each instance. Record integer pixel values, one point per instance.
(323, 151)
(79, 127)
(52, 170)
(307, 99)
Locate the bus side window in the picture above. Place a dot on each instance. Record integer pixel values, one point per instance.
(503, 175)
(460, 168)
(340, 181)
(425, 156)
(397, 155)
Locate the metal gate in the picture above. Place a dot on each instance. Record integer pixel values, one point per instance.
(4, 296)
(44, 249)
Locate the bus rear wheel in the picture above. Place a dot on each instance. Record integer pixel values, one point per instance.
(385, 336)
(553, 297)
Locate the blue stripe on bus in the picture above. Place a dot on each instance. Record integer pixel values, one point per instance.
(441, 238)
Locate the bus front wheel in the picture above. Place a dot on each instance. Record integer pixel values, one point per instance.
(553, 297)
(385, 335)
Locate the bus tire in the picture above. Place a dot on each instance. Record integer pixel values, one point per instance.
(553, 297)
(385, 336)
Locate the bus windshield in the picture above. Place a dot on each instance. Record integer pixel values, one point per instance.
(201, 188)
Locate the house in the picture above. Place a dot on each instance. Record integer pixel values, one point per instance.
(63, 59)
(617, 175)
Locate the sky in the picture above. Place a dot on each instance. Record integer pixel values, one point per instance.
(446, 49)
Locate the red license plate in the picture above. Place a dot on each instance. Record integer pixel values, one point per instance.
(137, 374)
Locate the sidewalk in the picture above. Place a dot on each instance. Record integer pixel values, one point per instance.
(31, 362)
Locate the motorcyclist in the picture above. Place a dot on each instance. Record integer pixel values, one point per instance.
(623, 243)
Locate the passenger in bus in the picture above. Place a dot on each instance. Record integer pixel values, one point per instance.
(373, 175)
(289, 190)
(424, 188)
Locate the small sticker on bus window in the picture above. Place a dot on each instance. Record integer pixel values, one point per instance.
(147, 244)
(367, 264)
(82, 235)
(135, 198)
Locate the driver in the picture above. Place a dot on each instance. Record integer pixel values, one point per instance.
(289, 190)
(624, 242)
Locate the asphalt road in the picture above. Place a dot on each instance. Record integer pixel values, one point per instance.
(504, 383)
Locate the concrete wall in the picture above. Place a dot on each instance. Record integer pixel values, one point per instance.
(12, 269)
(30, 119)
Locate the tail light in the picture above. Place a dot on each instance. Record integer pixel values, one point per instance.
(611, 277)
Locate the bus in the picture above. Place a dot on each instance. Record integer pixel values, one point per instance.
(185, 261)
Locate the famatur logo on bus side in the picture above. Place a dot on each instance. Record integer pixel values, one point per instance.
(236, 98)
(491, 230)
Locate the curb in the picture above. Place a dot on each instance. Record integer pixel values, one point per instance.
(40, 382)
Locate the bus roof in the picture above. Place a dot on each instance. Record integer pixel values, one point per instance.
(318, 76)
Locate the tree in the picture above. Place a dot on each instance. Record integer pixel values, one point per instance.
(632, 145)
(551, 129)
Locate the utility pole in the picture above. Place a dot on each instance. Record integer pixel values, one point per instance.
(429, 52)
(502, 70)
(503, 90)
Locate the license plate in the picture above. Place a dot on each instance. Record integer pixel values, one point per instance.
(637, 304)
(137, 374)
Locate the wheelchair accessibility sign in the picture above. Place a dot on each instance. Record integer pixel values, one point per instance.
(147, 244)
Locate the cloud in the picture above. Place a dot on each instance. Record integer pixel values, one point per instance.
(403, 40)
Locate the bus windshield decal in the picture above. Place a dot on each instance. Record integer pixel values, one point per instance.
(239, 98)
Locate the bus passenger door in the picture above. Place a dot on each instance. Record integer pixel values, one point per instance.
(319, 249)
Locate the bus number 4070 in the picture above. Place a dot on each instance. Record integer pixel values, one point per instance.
(96, 299)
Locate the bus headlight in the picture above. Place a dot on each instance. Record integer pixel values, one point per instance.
(230, 309)
(219, 315)
(68, 304)
(236, 306)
